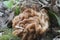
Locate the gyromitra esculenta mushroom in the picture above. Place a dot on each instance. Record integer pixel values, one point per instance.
(30, 23)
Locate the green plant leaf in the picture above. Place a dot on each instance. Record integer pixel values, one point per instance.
(17, 11)
(8, 4)
(57, 17)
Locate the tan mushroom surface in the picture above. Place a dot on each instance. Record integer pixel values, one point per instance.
(30, 23)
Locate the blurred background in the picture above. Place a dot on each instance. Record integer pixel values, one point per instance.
(10, 8)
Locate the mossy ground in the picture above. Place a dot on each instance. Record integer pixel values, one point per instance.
(7, 34)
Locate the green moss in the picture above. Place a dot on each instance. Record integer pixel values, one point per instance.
(7, 35)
